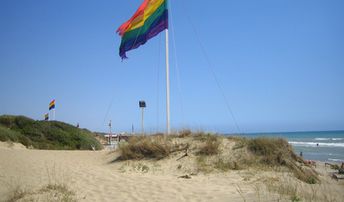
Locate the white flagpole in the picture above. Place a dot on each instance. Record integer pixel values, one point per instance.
(167, 87)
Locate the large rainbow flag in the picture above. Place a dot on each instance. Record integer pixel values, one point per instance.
(149, 20)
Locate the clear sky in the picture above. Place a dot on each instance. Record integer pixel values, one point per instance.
(278, 64)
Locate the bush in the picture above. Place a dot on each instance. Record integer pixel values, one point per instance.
(201, 136)
(8, 134)
(145, 147)
(25, 141)
(278, 152)
(45, 134)
(184, 133)
(311, 180)
(211, 146)
(306, 174)
(274, 151)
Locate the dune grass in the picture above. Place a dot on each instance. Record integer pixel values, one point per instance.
(55, 188)
(16, 194)
(276, 152)
(212, 153)
(45, 134)
(272, 151)
(148, 147)
(210, 146)
(49, 193)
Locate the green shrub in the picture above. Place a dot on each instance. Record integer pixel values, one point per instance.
(45, 134)
(7, 120)
(7, 134)
(25, 140)
(22, 121)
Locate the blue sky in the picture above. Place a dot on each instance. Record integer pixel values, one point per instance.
(279, 65)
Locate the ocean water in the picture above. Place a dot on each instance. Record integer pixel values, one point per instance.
(326, 146)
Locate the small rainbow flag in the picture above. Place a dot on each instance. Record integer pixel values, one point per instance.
(149, 20)
(52, 105)
(46, 116)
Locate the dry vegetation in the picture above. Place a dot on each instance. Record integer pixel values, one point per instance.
(211, 145)
(149, 147)
(208, 153)
(141, 147)
(262, 169)
(293, 190)
(56, 189)
(277, 152)
(213, 152)
(47, 193)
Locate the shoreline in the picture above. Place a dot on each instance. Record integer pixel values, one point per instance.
(327, 146)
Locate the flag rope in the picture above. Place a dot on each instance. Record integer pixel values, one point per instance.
(158, 85)
(176, 65)
(211, 69)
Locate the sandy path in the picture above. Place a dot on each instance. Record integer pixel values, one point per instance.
(93, 178)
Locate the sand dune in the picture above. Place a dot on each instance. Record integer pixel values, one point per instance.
(92, 176)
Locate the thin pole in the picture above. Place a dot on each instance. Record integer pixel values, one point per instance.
(110, 134)
(167, 87)
(142, 129)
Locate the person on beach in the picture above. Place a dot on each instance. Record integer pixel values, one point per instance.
(341, 169)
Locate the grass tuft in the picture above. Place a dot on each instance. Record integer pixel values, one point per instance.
(185, 133)
(50, 192)
(145, 147)
(278, 152)
(16, 194)
(223, 165)
(211, 145)
(273, 151)
(59, 192)
(215, 152)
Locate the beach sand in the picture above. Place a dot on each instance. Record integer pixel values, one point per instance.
(93, 176)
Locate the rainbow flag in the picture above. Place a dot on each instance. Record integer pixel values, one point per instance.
(52, 105)
(46, 116)
(150, 19)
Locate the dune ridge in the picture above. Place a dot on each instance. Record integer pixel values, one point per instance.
(101, 176)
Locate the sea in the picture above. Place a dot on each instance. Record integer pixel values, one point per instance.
(325, 146)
